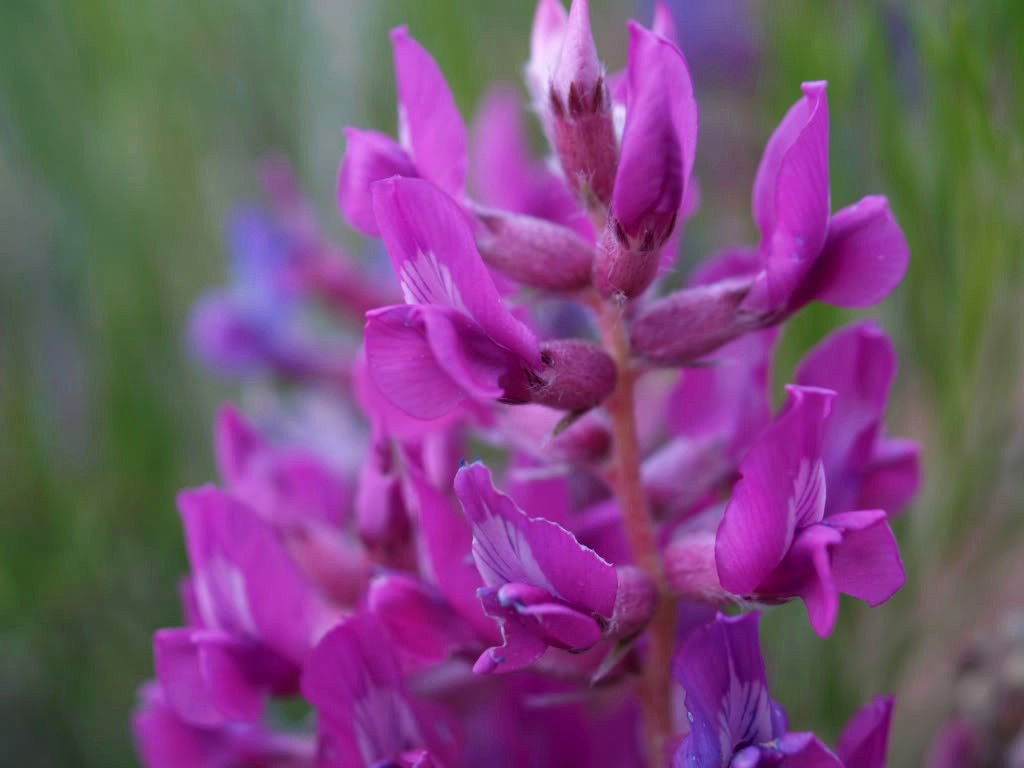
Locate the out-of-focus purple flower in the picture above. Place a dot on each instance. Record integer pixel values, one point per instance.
(775, 541)
(258, 615)
(542, 586)
(853, 259)
(954, 747)
(432, 138)
(505, 174)
(863, 468)
(455, 341)
(659, 144)
(365, 716)
(257, 324)
(735, 724)
(307, 501)
(164, 740)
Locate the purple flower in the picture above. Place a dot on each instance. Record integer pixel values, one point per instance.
(775, 541)
(541, 585)
(853, 259)
(257, 615)
(432, 138)
(735, 724)
(166, 741)
(659, 144)
(455, 341)
(365, 715)
(863, 468)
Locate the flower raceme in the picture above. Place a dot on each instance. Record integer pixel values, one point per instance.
(532, 608)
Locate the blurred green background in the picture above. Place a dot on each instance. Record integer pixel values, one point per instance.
(128, 128)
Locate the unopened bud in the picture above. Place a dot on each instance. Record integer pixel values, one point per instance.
(577, 375)
(690, 568)
(588, 440)
(626, 266)
(582, 129)
(635, 599)
(535, 252)
(686, 326)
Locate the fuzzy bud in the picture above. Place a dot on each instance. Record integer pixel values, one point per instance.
(634, 602)
(577, 375)
(625, 266)
(582, 129)
(690, 567)
(533, 251)
(688, 325)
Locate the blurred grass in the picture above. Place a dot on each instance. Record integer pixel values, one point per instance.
(129, 127)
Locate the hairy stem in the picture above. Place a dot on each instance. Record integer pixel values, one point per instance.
(656, 686)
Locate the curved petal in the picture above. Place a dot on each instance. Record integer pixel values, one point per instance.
(420, 623)
(805, 750)
(432, 249)
(430, 125)
(863, 259)
(892, 478)
(520, 647)
(865, 740)
(509, 547)
(369, 157)
(721, 669)
(236, 444)
(867, 565)
(660, 138)
(859, 364)
(791, 201)
(782, 489)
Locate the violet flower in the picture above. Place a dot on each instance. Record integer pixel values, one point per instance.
(775, 541)
(256, 615)
(455, 340)
(365, 715)
(735, 724)
(542, 586)
(852, 259)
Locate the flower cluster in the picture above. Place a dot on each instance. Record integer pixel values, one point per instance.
(557, 602)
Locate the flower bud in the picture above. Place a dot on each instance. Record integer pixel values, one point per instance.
(690, 567)
(685, 326)
(635, 599)
(624, 266)
(577, 375)
(533, 251)
(581, 116)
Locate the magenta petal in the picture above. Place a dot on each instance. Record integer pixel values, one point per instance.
(520, 646)
(354, 681)
(859, 363)
(791, 201)
(431, 246)
(809, 566)
(176, 657)
(447, 542)
(893, 477)
(244, 578)
(867, 565)
(865, 740)
(549, 24)
(805, 750)
(562, 626)
(508, 547)
(722, 671)
(664, 23)
(403, 368)
(369, 156)
(430, 125)
(659, 140)
(236, 443)
(863, 260)
(782, 488)
(420, 623)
